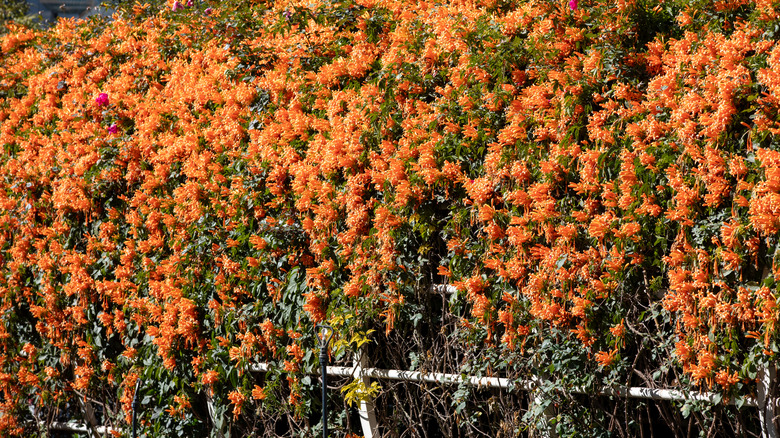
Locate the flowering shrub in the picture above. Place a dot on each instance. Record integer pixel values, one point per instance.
(187, 189)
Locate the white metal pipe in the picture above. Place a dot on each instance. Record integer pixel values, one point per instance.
(79, 428)
(525, 385)
(418, 376)
(666, 394)
(259, 367)
(446, 289)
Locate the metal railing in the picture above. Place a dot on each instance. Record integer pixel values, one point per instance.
(359, 371)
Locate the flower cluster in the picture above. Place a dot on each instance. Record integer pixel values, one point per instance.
(183, 196)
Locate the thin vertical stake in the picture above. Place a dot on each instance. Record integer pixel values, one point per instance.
(135, 402)
(326, 333)
(324, 363)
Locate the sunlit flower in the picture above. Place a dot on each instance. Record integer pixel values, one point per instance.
(258, 393)
(606, 358)
(210, 377)
(237, 398)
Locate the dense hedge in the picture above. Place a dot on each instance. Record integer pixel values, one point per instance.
(187, 189)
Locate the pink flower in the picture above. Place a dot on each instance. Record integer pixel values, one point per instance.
(573, 4)
(208, 11)
(113, 129)
(177, 5)
(190, 3)
(102, 99)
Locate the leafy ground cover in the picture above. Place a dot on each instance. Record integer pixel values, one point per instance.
(189, 187)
